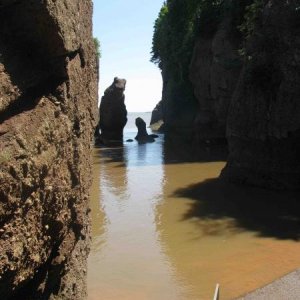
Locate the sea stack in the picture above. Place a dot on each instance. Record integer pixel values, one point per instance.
(143, 136)
(113, 113)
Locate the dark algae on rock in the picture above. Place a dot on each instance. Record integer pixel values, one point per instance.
(230, 73)
(48, 108)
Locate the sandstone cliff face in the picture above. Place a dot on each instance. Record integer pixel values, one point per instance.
(48, 106)
(264, 116)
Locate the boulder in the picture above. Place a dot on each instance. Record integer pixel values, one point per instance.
(113, 113)
(143, 136)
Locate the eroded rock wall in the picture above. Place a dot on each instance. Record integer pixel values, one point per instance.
(264, 117)
(48, 107)
(214, 71)
(245, 77)
(197, 111)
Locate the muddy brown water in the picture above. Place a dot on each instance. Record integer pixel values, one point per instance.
(167, 229)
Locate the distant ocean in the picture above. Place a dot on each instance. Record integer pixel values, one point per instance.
(130, 126)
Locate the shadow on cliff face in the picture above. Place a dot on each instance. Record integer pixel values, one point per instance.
(32, 56)
(267, 213)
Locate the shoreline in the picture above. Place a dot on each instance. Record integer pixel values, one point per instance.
(286, 287)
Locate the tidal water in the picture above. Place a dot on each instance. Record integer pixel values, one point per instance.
(166, 228)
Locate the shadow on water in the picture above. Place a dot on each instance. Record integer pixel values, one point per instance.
(220, 207)
(274, 214)
(179, 151)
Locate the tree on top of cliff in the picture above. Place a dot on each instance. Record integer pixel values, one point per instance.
(173, 34)
(180, 21)
(179, 24)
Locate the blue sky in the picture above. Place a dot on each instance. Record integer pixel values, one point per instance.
(124, 29)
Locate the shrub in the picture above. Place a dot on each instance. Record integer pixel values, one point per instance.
(98, 47)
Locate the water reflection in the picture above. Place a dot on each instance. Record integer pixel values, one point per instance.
(164, 227)
(97, 214)
(113, 175)
(126, 258)
(181, 151)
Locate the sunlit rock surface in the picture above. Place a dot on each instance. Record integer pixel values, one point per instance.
(48, 107)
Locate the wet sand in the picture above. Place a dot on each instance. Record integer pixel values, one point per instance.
(170, 229)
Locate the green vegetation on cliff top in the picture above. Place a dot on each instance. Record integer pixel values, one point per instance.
(180, 22)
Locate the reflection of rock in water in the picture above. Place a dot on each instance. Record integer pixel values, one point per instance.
(113, 170)
(178, 150)
(142, 154)
(130, 263)
(97, 213)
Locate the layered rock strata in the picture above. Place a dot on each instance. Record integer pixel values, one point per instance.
(48, 100)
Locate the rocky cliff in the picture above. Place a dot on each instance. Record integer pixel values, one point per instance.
(244, 74)
(214, 71)
(200, 66)
(263, 126)
(48, 106)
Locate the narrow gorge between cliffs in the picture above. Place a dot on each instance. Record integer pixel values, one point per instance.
(211, 197)
(165, 227)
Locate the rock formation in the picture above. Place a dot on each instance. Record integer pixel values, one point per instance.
(156, 122)
(48, 107)
(244, 72)
(214, 72)
(113, 113)
(264, 117)
(142, 136)
(200, 78)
